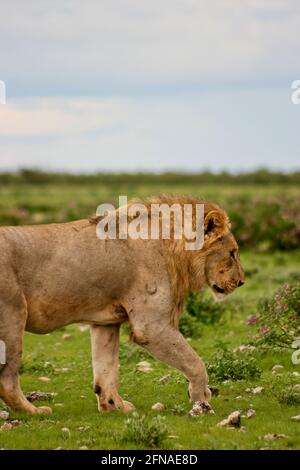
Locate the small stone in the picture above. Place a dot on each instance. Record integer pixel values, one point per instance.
(40, 396)
(144, 366)
(4, 415)
(296, 374)
(250, 413)
(273, 437)
(297, 387)
(83, 397)
(200, 408)
(83, 328)
(67, 337)
(257, 390)
(83, 428)
(10, 425)
(248, 390)
(44, 379)
(239, 397)
(6, 426)
(295, 418)
(243, 429)
(276, 368)
(232, 421)
(83, 448)
(164, 379)
(59, 405)
(15, 422)
(66, 431)
(158, 406)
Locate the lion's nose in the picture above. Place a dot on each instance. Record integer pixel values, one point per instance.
(241, 283)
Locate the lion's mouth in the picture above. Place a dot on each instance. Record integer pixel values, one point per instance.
(218, 289)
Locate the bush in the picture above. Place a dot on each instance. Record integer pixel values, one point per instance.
(189, 326)
(277, 323)
(204, 308)
(227, 365)
(288, 396)
(144, 430)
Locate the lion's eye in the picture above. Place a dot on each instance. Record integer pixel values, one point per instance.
(232, 254)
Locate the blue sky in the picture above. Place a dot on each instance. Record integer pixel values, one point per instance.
(126, 85)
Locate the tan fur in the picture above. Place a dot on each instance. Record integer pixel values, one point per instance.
(55, 275)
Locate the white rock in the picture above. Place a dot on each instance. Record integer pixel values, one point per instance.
(144, 366)
(44, 379)
(297, 387)
(66, 431)
(158, 406)
(276, 368)
(4, 415)
(83, 448)
(233, 420)
(273, 437)
(257, 390)
(67, 337)
(6, 427)
(250, 413)
(83, 328)
(296, 374)
(295, 418)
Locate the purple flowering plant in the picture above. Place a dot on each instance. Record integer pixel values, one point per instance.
(277, 321)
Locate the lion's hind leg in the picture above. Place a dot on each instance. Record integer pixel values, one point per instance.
(105, 355)
(12, 325)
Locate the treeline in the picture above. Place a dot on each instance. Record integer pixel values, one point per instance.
(260, 177)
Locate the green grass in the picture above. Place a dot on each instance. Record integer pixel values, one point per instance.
(68, 363)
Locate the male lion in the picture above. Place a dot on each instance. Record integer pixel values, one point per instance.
(58, 274)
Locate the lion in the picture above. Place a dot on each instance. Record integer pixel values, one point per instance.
(58, 274)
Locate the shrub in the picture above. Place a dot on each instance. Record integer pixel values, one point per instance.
(144, 430)
(204, 308)
(277, 323)
(227, 365)
(189, 326)
(288, 396)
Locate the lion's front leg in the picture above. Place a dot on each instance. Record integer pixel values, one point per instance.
(105, 356)
(166, 343)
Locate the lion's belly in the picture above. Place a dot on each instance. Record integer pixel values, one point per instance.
(44, 320)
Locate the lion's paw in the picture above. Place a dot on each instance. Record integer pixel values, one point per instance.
(44, 410)
(200, 408)
(127, 407)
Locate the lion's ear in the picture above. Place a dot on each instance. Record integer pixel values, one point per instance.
(216, 224)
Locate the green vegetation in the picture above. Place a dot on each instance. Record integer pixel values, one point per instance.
(218, 332)
(147, 431)
(228, 365)
(277, 323)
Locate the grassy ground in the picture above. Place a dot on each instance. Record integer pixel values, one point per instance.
(67, 363)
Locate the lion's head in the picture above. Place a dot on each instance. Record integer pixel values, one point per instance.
(223, 269)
